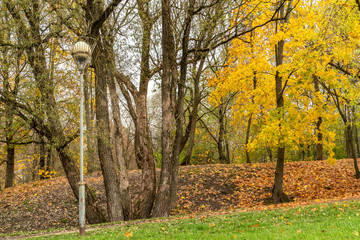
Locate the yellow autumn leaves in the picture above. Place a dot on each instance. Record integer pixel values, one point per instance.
(319, 34)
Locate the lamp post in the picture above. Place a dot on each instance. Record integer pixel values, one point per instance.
(81, 53)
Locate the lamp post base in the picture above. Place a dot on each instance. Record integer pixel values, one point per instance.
(82, 208)
(82, 231)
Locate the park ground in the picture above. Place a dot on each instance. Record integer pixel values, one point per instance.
(207, 189)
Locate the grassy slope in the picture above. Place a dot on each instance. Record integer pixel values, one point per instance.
(50, 204)
(328, 221)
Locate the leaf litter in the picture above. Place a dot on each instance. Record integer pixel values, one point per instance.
(201, 189)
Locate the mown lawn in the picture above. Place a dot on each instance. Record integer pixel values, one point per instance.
(339, 220)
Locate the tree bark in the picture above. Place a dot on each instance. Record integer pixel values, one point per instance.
(350, 140)
(277, 193)
(138, 110)
(90, 130)
(248, 159)
(193, 118)
(143, 146)
(107, 164)
(10, 166)
(357, 141)
(42, 162)
(9, 120)
(145, 156)
(220, 141)
(247, 137)
(121, 164)
(319, 144)
(163, 201)
(179, 106)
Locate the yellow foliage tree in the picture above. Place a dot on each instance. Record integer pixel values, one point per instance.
(277, 70)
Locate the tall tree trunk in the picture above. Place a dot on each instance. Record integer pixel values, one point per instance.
(144, 154)
(191, 143)
(49, 161)
(137, 105)
(163, 201)
(227, 148)
(10, 166)
(277, 193)
(124, 185)
(269, 151)
(220, 141)
(143, 145)
(190, 130)
(90, 130)
(120, 160)
(247, 137)
(179, 107)
(347, 145)
(8, 92)
(319, 144)
(357, 141)
(279, 171)
(248, 159)
(9, 120)
(350, 140)
(107, 164)
(104, 71)
(42, 162)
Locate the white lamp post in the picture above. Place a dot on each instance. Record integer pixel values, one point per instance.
(81, 53)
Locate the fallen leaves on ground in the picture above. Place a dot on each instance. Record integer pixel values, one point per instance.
(51, 203)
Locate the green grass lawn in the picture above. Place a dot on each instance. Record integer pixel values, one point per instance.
(329, 221)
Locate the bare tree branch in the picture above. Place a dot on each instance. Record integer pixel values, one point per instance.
(100, 21)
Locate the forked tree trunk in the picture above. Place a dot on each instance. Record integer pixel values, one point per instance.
(190, 131)
(145, 157)
(107, 163)
(179, 105)
(120, 160)
(142, 143)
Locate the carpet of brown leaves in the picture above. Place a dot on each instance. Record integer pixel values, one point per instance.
(51, 204)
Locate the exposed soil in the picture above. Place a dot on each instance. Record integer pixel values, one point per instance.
(51, 204)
